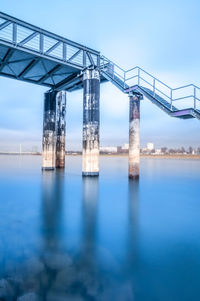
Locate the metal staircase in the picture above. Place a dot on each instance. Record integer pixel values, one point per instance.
(182, 102)
(34, 55)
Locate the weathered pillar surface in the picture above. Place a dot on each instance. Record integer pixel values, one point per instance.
(49, 131)
(91, 91)
(134, 136)
(60, 129)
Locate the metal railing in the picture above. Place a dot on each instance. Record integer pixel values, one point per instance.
(139, 77)
(20, 35)
(24, 36)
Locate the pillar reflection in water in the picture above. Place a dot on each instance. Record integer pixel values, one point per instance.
(52, 194)
(133, 235)
(133, 212)
(66, 277)
(89, 211)
(56, 278)
(87, 263)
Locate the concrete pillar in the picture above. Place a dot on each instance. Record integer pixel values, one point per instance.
(91, 91)
(134, 136)
(49, 131)
(60, 129)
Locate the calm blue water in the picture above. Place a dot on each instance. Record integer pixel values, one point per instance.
(67, 238)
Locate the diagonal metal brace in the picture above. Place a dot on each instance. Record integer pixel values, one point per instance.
(74, 55)
(52, 48)
(5, 24)
(27, 39)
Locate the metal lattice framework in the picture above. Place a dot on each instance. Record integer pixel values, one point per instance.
(182, 102)
(32, 54)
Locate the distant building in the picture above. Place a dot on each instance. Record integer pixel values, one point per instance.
(150, 146)
(119, 149)
(144, 150)
(158, 151)
(164, 150)
(108, 149)
(125, 146)
(190, 150)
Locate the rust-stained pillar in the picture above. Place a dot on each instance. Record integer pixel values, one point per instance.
(91, 92)
(49, 131)
(60, 129)
(134, 136)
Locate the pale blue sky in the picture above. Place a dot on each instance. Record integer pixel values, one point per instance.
(160, 36)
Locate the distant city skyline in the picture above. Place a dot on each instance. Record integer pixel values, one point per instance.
(152, 39)
(149, 146)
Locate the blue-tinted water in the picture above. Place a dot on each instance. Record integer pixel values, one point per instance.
(67, 238)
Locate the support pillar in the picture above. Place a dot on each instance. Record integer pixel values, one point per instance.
(60, 129)
(134, 136)
(91, 93)
(49, 131)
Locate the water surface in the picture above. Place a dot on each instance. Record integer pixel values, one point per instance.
(64, 237)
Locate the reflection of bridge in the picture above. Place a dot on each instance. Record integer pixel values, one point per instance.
(31, 54)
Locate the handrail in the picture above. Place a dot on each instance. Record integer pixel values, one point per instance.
(153, 77)
(32, 39)
(136, 67)
(131, 77)
(105, 58)
(45, 32)
(152, 82)
(186, 86)
(183, 97)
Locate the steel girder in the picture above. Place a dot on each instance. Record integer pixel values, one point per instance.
(34, 55)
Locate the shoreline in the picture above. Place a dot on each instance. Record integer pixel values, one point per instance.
(167, 156)
(174, 156)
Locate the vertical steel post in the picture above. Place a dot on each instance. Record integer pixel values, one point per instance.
(171, 95)
(14, 33)
(134, 136)
(138, 76)
(41, 43)
(91, 93)
(154, 87)
(60, 129)
(64, 52)
(49, 131)
(194, 98)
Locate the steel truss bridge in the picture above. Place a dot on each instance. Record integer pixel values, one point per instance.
(31, 54)
(34, 55)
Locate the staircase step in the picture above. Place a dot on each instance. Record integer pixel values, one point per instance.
(160, 99)
(154, 97)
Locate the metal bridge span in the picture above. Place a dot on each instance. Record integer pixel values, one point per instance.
(34, 55)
